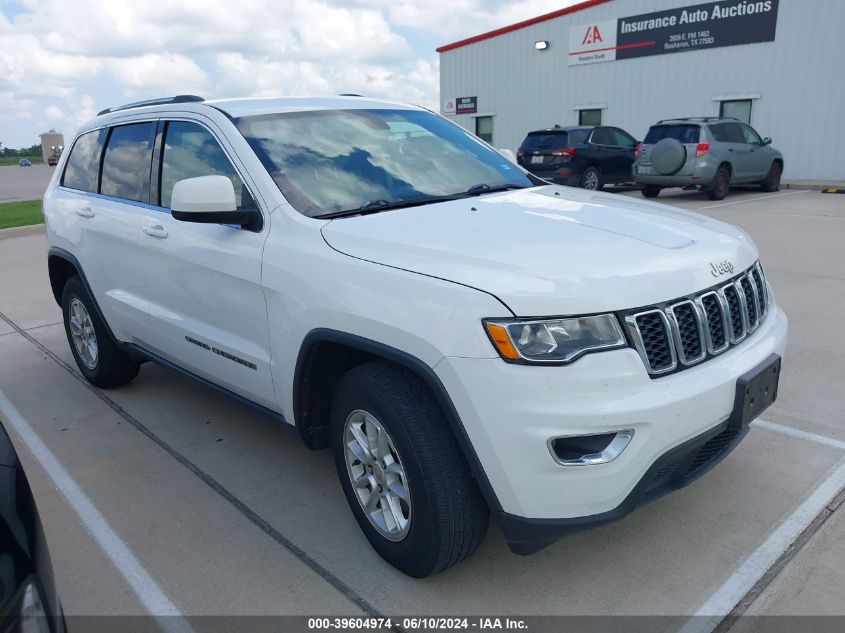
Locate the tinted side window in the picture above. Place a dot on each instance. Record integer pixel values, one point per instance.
(750, 135)
(190, 151)
(623, 138)
(734, 133)
(603, 136)
(126, 165)
(83, 164)
(718, 132)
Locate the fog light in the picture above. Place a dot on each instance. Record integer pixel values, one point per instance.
(587, 450)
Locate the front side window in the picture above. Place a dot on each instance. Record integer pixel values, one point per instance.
(739, 109)
(623, 139)
(190, 151)
(750, 135)
(332, 161)
(126, 164)
(83, 164)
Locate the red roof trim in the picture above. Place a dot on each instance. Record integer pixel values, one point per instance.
(519, 25)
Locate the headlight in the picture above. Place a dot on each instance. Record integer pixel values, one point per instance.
(33, 616)
(554, 340)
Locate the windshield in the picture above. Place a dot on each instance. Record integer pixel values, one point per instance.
(332, 161)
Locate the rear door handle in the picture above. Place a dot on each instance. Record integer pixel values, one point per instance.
(84, 212)
(156, 231)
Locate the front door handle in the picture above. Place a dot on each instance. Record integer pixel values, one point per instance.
(84, 212)
(156, 230)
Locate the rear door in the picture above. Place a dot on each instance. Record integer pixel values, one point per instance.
(688, 134)
(203, 281)
(606, 154)
(106, 180)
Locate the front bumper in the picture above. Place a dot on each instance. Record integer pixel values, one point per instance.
(510, 411)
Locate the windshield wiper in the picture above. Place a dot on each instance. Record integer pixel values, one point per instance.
(481, 188)
(376, 206)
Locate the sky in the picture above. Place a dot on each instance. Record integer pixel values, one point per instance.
(62, 61)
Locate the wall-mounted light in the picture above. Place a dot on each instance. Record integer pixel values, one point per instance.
(541, 45)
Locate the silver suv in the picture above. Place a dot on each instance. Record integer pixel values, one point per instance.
(711, 153)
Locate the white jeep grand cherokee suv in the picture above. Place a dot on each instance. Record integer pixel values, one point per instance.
(469, 339)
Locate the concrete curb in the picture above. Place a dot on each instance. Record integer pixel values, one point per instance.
(812, 185)
(21, 231)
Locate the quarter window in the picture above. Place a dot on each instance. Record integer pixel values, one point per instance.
(126, 164)
(83, 164)
(191, 151)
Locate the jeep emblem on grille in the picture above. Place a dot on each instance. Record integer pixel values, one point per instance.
(722, 268)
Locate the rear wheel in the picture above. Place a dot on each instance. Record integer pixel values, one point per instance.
(772, 181)
(651, 191)
(402, 472)
(591, 179)
(98, 357)
(721, 184)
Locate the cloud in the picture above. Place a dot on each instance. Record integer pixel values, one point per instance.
(62, 61)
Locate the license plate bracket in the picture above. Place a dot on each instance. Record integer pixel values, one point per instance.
(536, 160)
(756, 390)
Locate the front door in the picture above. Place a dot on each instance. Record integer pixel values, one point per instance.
(203, 281)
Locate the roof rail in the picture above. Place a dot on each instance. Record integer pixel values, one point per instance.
(699, 119)
(150, 102)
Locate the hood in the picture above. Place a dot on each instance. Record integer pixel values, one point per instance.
(552, 250)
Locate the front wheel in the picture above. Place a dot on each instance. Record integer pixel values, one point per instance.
(591, 179)
(402, 472)
(721, 184)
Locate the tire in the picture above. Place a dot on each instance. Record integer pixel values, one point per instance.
(772, 181)
(446, 515)
(105, 365)
(591, 179)
(651, 191)
(720, 185)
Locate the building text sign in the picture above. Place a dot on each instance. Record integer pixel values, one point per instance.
(467, 105)
(696, 27)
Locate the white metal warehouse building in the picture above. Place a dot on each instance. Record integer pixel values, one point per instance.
(777, 64)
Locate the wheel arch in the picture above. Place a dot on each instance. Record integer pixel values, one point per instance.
(328, 354)
(61, 266)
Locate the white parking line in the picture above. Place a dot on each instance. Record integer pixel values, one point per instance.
(744, 200)
(151, 596)
(803, 435)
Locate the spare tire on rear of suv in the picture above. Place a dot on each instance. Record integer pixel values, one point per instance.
(668, 155)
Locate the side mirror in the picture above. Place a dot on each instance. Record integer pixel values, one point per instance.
(209, 200)
(767, 141)
(508, 154)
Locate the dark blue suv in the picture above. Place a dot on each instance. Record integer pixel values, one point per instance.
(579, 156)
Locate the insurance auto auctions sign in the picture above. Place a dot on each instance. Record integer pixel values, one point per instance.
(696, 27)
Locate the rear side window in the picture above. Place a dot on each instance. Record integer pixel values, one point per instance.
(719, 133)
(544, 140)
(83, 164)
(603, 136)
(733, 133)
(190, 151)
(126, 165)
(681, 133)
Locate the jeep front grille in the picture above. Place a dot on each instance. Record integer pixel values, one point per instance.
(685, 332)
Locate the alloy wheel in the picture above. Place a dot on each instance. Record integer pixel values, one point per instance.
(377, 475)
(591, 180)
(83, 334)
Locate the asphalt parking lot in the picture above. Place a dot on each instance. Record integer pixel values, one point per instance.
(224, 512)
(24, 183)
